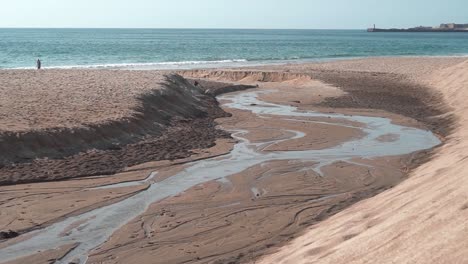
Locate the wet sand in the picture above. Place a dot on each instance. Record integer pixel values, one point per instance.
(245, 216)
(254, 212)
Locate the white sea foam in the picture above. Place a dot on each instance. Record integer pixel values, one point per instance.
(144, 65)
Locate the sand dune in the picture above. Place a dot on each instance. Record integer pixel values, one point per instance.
(422, 220)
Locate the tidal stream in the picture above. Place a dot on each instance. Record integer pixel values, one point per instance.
(97, 226)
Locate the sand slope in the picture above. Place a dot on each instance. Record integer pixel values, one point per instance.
(98, 122)
(423, 220)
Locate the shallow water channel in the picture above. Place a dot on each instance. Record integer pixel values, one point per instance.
(98, 225)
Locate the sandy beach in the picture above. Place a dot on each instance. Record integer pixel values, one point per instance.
(237, 174)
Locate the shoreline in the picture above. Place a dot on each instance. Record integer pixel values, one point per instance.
(365, 101)
(222, 64)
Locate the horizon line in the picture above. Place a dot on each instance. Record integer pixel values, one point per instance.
(228, 28)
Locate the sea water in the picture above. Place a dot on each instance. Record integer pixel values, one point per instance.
(195, 48)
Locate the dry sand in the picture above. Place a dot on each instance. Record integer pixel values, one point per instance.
(35, 100)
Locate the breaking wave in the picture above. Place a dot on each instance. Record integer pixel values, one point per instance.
(156, 65)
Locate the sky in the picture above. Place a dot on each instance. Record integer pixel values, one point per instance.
(297, 14)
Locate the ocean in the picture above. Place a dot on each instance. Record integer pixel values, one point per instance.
(198, 48)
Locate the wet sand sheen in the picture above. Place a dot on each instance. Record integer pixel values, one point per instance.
(98, 225)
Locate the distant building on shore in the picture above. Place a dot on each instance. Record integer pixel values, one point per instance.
(450, 27)
(454, 26)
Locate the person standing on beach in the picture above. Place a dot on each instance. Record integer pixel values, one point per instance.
(38, 64)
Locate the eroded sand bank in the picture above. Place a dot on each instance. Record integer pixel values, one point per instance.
(254, 211)
(84, 133)
(422, 220)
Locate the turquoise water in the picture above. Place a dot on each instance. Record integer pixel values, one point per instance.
(188, 48)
